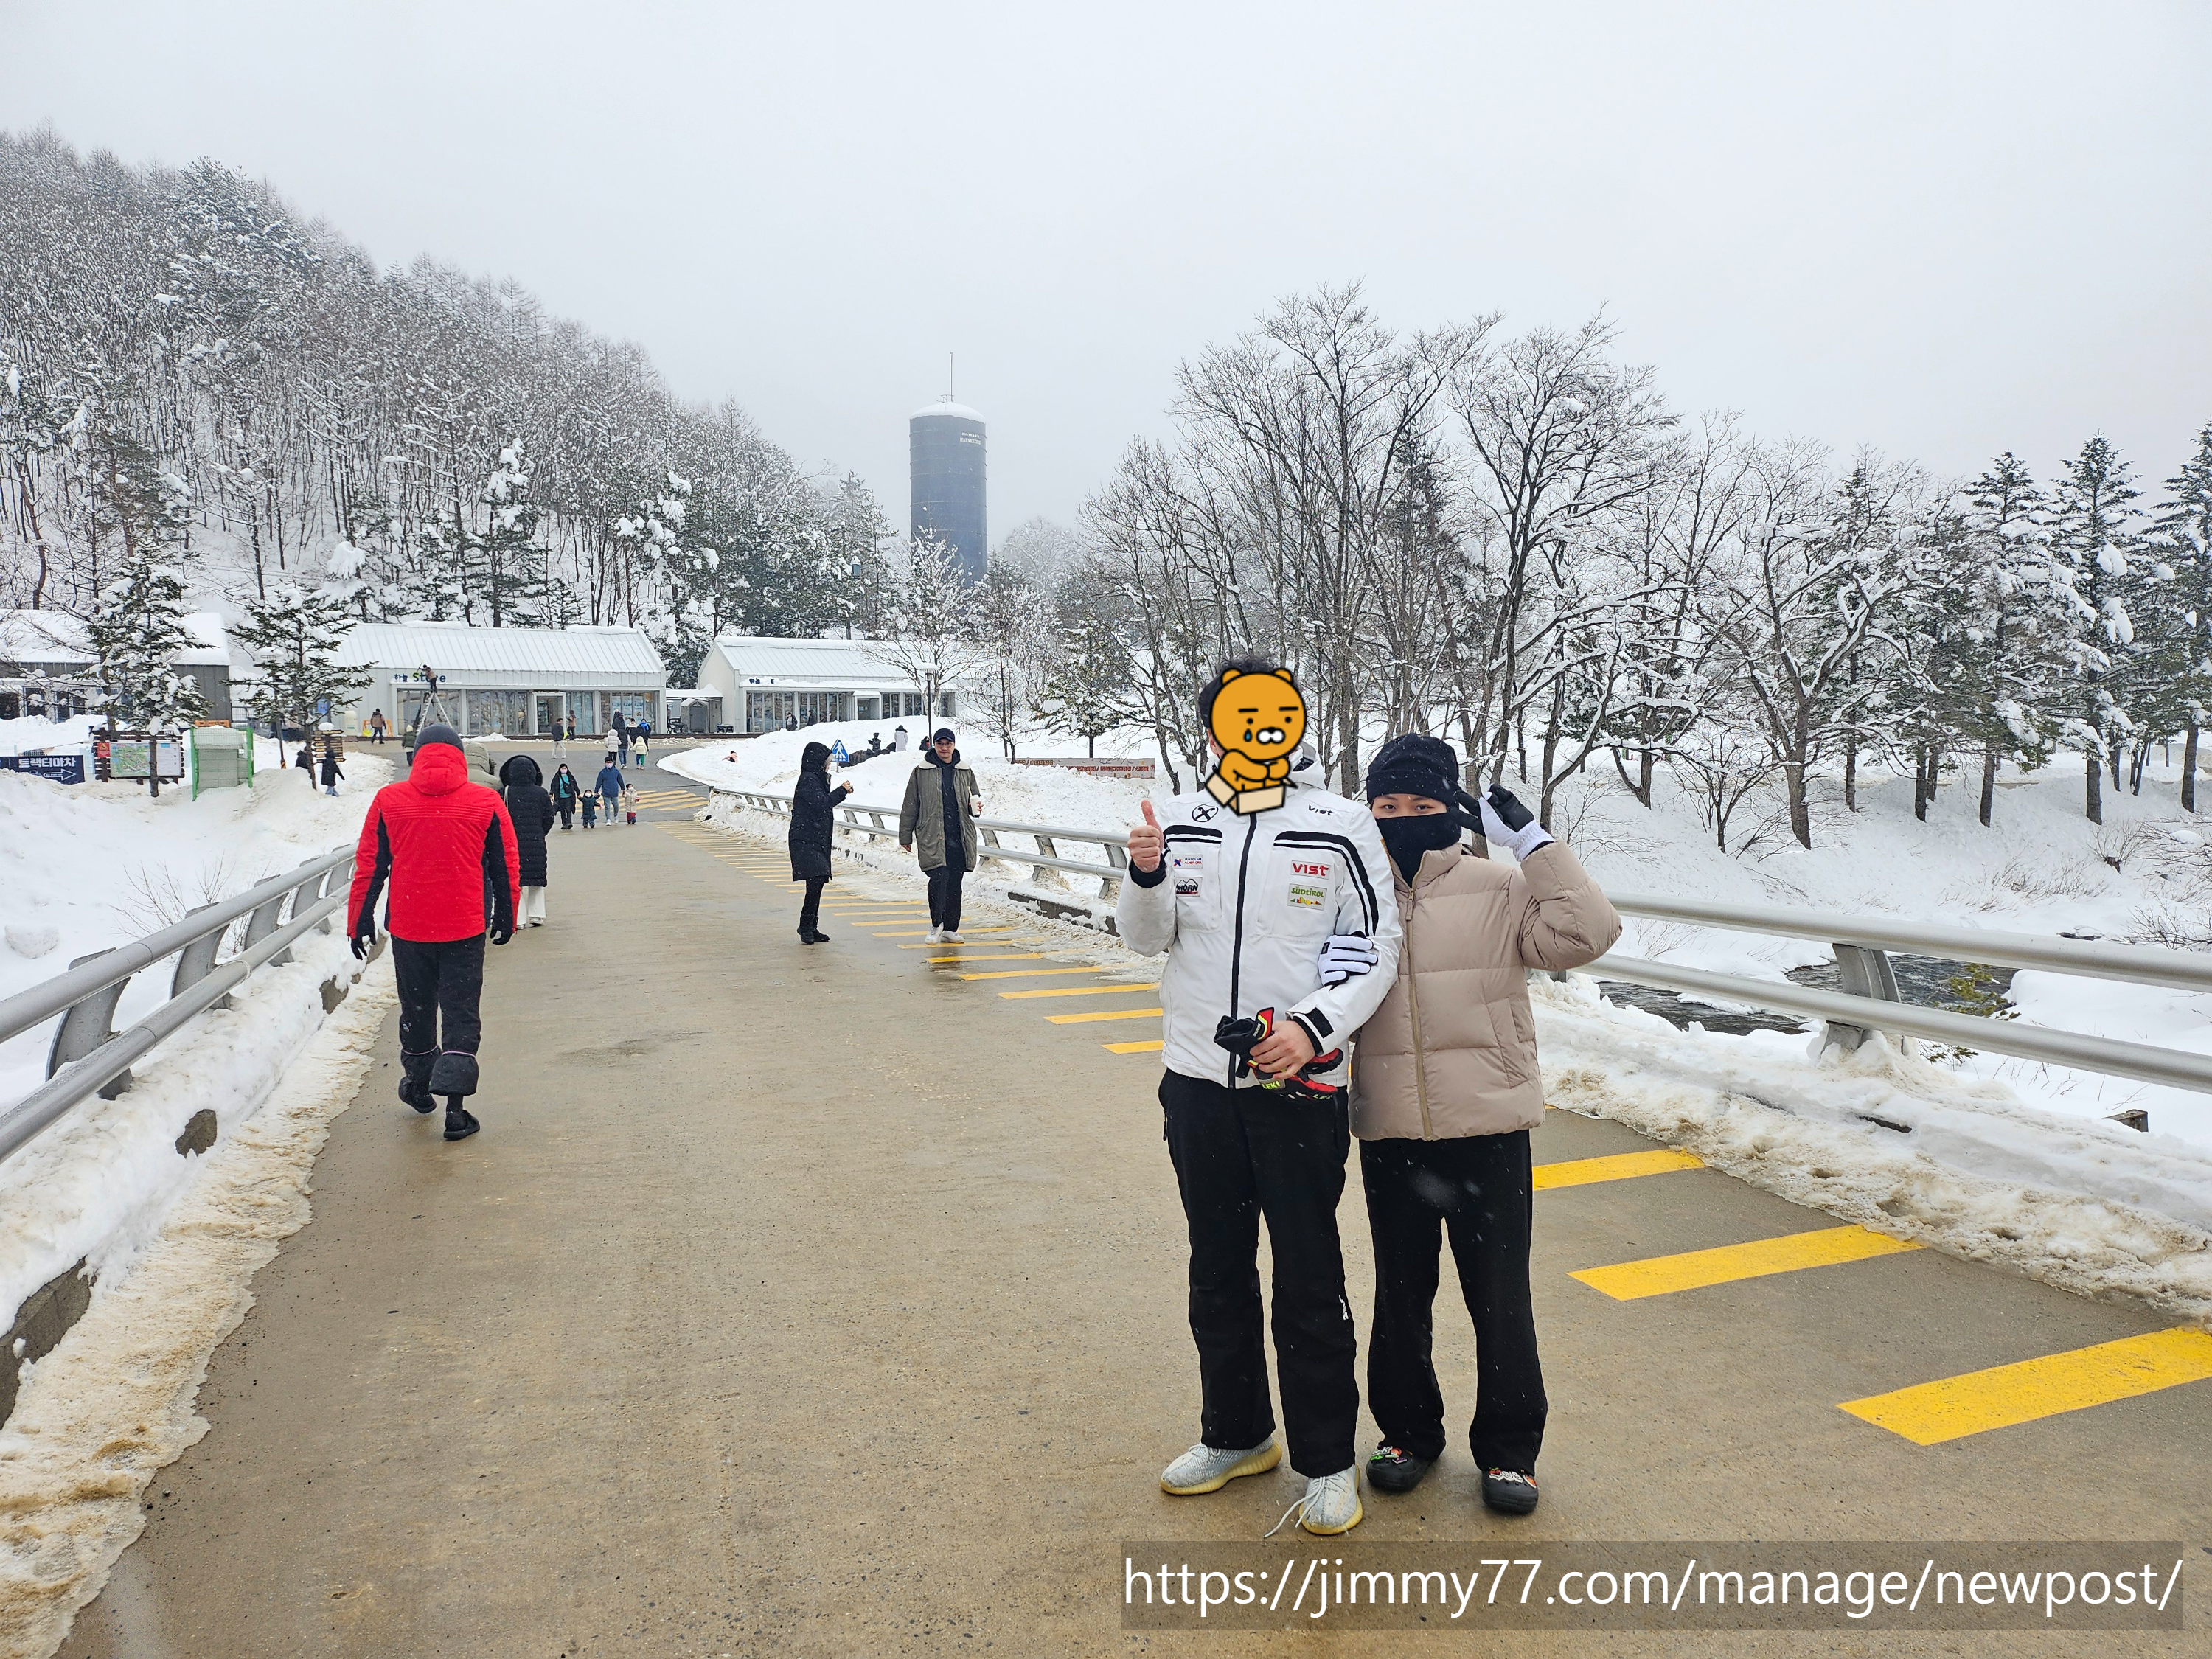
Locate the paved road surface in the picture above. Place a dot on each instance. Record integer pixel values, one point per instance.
(829, 1302)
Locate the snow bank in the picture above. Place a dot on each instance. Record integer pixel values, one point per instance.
(86, 866)
(1899, 1144)
(111, 1407)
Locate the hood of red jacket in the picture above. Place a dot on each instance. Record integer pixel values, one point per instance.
(439, 769)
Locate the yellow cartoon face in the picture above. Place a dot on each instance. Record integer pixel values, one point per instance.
(1262, 716)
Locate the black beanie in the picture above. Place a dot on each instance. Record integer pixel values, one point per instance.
(439, 732)
(1414, 765)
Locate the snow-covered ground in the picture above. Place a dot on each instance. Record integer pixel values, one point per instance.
(86, 866)
(2004, 1159)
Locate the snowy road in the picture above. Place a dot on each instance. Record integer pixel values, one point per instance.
(829, 1301)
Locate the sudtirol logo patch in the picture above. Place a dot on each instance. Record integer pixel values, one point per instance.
(1307, 895)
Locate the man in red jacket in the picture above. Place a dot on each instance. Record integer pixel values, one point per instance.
(447, 847)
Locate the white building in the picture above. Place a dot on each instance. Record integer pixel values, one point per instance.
(753, 684)
(47, 666)
(515, 681)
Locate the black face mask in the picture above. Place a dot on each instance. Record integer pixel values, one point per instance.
(1406, 839)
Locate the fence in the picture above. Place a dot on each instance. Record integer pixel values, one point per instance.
(1861, 947)
(87, 1057)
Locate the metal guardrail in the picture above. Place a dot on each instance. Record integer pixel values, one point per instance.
(1870, 1000)
(88, 1058)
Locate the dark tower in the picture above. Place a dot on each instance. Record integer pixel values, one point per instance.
(946, 446)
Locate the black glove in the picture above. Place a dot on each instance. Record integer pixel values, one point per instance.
(1507, 804)
(360, 945)
(500, 935)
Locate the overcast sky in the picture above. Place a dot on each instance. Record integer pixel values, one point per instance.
(1943, 230)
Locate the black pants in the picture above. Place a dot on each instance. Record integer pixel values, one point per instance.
(439, 986)
(809, 907)
(1241, 1154)
(1478, 1187)
(944, 891)
(567, 813)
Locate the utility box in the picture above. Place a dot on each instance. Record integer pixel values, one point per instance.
(221, 758)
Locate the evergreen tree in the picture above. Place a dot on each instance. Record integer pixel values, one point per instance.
(857, 534)
(2013, 623)
(1087, 693)
(2185, 535)
(2094, 533)
(502, 562)
(295, 633)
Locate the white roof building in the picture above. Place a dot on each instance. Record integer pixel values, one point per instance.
(758, 683)
(512, 681)
(46, 659)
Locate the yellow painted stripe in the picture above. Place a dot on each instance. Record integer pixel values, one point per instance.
(1113, 990)
(1035, 973)
(1011, 956)
(1658, 1275)
(1977, 1401)
(1110, 1013)
(939, 945)
(1151, 1048)
(917, 932)
(1581, 1171)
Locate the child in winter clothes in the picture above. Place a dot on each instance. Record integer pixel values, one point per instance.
(331, 772)
(1444, 1090)
(590, 799)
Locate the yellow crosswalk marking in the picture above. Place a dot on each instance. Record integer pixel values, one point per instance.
(1016, 956)
(927, 946)
(1110, 1013)
(1113, 990)
(1660, 1275)
(1026, 973)
(1977, 1401)
(1151, 1048)
(1581, 1171)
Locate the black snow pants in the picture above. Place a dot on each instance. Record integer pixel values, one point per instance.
(944, 891)
(1478, 1187)
(1241, 1154)
(809, 907)
(439, 986)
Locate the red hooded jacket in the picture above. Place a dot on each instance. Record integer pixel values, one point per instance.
(447, 847)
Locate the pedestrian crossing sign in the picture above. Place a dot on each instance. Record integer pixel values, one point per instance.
(838, 752)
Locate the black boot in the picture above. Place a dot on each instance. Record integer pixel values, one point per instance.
(460, 1122)
(412, 1093)
(816, 937)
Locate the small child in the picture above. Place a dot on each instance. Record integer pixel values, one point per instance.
(332, 771)
(629, 803)
(591, 804)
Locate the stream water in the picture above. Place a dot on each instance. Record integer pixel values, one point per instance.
(1923, 980)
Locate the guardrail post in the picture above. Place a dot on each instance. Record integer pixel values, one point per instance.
(1109, 887)
(196, 960)
(86, 1027)
(1042, 875)
(1862, 971)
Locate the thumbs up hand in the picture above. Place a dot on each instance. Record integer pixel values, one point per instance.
(1147, 842)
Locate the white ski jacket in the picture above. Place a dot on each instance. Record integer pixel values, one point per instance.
(1243, 907)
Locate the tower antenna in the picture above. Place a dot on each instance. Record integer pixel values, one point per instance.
(948, 378)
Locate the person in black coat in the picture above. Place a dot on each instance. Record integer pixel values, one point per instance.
(566, 793)
(531, 808)
(812, 804)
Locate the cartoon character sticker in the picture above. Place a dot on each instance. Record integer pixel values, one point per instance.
(1258, 720)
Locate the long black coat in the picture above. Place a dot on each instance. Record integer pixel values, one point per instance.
(531, 808)
(812, 802)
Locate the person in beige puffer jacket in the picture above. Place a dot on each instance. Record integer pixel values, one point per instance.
(1445, 1089)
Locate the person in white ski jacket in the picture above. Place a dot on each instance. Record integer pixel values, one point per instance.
(1288, 912)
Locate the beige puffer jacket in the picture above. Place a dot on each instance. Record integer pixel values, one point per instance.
(1452, 1050)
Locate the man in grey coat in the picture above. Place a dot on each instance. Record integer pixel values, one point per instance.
(938, 819)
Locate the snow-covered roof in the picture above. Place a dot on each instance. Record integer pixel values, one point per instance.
(56, 636)
(611, 658)
(851, 663)
(960, 411)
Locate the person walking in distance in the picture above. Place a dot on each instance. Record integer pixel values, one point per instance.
(531, 808)
(617, 739)
(1444, 1090)
(1248, 905)
(332, 772)
(934, 822)
(812, 803)
(376, 724)
(446, 847)
(610, 786)
(564, 791)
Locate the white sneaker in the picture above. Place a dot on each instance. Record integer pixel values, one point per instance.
(934, 936)
(952, 937)
(1209, 1468)
(1330, 1506)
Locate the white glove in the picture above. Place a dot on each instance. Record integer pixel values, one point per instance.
(1501, 811)
(1347, 955)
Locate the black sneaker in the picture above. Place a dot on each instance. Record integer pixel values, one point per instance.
(1390, 1469)
(460, 1122)
(412, 1093)
(1509, 1491)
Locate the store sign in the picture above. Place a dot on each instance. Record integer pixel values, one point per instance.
(55, 769)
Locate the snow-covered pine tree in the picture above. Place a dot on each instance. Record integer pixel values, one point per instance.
(2184, 538)
(2008, 668)
(857, 534)
(2093, 531)
(137, 624)
(1087, 693)
(502, 562)
(293, 634)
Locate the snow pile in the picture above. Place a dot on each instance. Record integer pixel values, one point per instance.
(86, 866)
(1901, 1144)
(111, 1406)
(37, 733)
